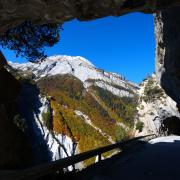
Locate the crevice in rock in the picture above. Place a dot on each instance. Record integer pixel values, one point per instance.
(171, 126)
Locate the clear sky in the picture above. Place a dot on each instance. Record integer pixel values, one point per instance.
(123, 44)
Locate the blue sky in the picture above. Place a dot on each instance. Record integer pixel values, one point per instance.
(123, 44)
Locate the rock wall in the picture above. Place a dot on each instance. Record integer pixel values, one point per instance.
(14, 12)
(167, 31)
(3, 61)
(156, 110)
(15, 152)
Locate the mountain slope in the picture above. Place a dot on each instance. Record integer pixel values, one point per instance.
(71, 106)
(83, 70)
(90, 106)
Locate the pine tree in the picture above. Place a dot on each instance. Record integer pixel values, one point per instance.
(29, 40)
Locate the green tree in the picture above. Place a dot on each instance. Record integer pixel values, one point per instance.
(46, 116)
(139, 126)
(121, 134)
(29, 41)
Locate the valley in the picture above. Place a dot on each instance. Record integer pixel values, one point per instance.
(71, 107)
(72, 99)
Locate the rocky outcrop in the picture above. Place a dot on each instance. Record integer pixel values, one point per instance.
(156, 110)
(167, 31)
(10, 86)
(14, 149)
(3, 61)
(15, 12)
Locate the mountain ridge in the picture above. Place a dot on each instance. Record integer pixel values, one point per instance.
(82, 69)
(78, 107)
(71, 98)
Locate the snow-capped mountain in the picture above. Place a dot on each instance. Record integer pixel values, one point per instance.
(72, 106)
(82, 69)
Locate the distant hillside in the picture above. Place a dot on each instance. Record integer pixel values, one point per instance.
(74, 106)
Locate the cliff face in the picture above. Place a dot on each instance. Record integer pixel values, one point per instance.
(46, 144)
(15, 151)
(167, 31)
(10, 86)
(156, 109)
(15, 12)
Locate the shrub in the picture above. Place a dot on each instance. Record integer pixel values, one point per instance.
(122, 107)
(152, 91)
(46, 117)
(139, 126)
(151, 113)
(121, 134)
(142, 107)
(29, 40)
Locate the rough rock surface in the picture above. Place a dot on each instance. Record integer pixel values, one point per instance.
(10, 86)
(15, 151)
(167, 31)
(3, 61)
(14, 12)
(156, 109)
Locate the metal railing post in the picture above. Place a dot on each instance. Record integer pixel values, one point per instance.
(99, 157)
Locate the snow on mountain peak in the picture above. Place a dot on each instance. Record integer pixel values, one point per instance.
(77, 66)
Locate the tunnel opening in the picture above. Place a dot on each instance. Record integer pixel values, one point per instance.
(171, 126)
(106, 43)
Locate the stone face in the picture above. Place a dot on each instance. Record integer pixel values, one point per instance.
(3, 61)
(10, 86)
(15, 12)
(15, 152)
(167, 31)
(155, 109)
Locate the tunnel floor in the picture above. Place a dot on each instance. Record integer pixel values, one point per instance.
(158, 159)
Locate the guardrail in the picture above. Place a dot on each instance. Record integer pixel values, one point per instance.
(48, 168)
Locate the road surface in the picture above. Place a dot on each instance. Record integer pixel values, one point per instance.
(157, 160)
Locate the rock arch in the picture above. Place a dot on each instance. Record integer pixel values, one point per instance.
(167, 25)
